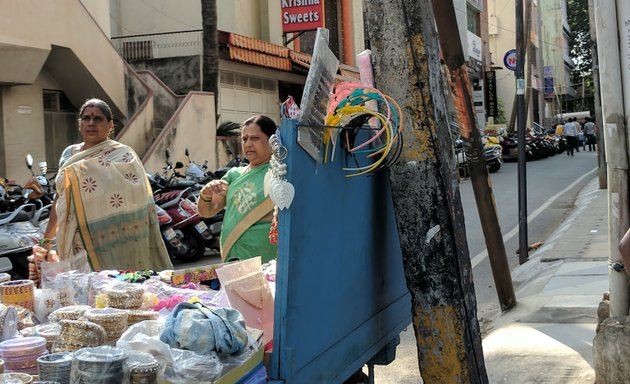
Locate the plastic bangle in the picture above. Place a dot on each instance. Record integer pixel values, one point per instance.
(204, 199)
(46, 240)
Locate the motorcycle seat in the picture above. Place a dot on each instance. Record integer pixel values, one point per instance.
(20, 216)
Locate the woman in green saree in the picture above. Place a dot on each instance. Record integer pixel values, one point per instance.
(248, 212)
(104, 216)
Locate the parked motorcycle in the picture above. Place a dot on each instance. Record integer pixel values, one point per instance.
(492, 152)
(492, 155)
(20, 230)
(185, 217)
(38, 189)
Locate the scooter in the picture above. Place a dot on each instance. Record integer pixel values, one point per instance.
(38, 189)
(20, 230)
(492, 152)
(172, 237)
(183, 211)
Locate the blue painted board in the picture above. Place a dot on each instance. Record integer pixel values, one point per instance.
(341, 294)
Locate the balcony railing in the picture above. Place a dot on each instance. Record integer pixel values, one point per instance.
(159, 45)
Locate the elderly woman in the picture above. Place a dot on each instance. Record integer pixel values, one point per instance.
(104, 216)
(248, 212)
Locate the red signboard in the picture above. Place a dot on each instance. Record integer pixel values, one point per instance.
(302, 15)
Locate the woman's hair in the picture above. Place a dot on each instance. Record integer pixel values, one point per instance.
(267, 126)
(100, 104)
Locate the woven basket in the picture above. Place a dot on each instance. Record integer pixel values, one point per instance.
(125, 297)
(136, 316)
(76, 334)
(18, 292)
(113, 321)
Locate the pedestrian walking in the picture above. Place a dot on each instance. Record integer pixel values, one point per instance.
(589, 132)
(570, 134)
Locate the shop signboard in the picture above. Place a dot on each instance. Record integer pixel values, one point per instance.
(509, 59)
(491, 94)
(302, 15)
(548, 82)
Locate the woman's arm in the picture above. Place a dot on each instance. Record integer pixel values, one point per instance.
(212, 198)
(51, 227)
(624, 249)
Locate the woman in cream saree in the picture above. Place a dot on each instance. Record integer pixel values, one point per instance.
(105, 215)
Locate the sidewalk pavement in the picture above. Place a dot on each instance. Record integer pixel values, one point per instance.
(548, 336)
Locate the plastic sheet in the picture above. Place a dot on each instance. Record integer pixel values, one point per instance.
(176, 366)
(15, 378)
(99, 365)
(142, 368)
(75, 282)
(8, 322)
(167, 297)
(55, 367)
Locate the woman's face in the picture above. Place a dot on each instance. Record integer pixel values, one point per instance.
(255, 144)
(93, 126)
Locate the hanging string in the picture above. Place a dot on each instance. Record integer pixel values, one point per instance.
(349, 109)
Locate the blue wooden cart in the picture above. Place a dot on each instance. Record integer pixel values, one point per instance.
(341, 297)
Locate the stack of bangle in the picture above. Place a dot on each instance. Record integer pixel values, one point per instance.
(46, 240)
(204, 199)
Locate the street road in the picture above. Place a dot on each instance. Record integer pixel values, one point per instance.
(552, 186)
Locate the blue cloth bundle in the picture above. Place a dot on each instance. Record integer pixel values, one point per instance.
(202, 330)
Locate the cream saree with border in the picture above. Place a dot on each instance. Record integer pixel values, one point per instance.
(105, 210)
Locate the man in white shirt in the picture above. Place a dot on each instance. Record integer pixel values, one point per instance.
(589, 132)
(570, 134)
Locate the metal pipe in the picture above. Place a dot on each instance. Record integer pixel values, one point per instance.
(520, 123)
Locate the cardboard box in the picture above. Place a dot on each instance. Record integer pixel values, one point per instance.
(237, 373)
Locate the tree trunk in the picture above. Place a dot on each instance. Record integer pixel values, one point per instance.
(429, 214)
(210, 62)
(601, 153)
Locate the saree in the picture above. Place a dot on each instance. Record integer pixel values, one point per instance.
(105, 210)
(245, 193)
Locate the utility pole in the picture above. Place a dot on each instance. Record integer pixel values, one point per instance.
(614, 130)
(455, 60)
(429, 214)
(521, 52)
(601, 153)
(428, 208)
(523, 254)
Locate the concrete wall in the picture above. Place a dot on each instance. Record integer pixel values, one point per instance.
(54, 46)
(23, 117)
(180, 74)
(499, 44)
(261, 19)
(192, 126)
(66, 23)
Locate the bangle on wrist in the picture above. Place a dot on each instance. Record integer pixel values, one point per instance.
(204, 199)
(46, 240)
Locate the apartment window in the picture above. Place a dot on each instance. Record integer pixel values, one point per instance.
(57, 101)
(137, 50)
(255, 82)
(472, 21)
(60, 125)
(227, 78)
(269, 85)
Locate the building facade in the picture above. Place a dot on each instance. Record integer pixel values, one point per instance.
(53, 56)
(538, 41)
(559, 90)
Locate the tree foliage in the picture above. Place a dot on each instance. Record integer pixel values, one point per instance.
(580, 46)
